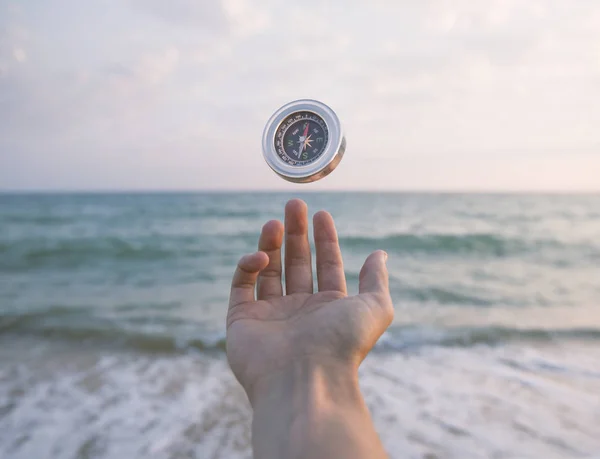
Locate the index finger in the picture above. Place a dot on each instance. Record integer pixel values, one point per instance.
(244, 278)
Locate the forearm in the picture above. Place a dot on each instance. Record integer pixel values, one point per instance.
(313, 411)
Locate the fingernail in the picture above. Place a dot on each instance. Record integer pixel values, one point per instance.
(385, 256)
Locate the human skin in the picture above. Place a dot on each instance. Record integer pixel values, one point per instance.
(297, 353)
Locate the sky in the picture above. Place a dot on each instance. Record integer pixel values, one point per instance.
(457, 95)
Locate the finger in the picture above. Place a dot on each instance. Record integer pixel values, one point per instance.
(330, 267)
(244, 278)
(269, 279)
(298, 271)
(374, 274)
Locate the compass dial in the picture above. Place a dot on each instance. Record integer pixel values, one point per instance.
(303, 141)
(301, 138)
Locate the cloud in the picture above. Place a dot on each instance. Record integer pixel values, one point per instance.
(188, 85)
(20, 54)
(206, 14)
(13, 41)
(149, 70)
(239, 18)
(74, 109)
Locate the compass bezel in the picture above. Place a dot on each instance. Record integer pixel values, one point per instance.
(325, 163)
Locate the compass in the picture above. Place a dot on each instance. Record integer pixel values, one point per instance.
(303, 141)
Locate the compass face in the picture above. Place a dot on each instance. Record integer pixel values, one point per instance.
(301, 138)
(303, 141)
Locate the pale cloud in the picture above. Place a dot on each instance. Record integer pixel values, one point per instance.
(20, 54)
(432, 93)
(150, 70)
(206, 14)
(13, 40)
(246, 17)
(225, 17)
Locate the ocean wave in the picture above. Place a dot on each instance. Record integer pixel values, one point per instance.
(406, 337)
(443, 296)
(481, 244)
(432, 294)
(161, 334)
(224, 212)
(39, 220)
(171, 335)
(32, 254)
(76, 252)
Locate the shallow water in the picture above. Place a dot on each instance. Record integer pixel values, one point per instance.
(112, 311)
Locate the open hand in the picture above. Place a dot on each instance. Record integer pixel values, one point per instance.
(267, 334)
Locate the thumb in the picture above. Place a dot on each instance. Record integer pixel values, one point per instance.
(374, 274)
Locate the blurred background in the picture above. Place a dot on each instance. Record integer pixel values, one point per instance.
(132, 180)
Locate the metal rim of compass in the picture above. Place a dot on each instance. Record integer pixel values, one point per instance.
(328, 159)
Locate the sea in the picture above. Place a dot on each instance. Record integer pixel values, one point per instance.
(112, 322)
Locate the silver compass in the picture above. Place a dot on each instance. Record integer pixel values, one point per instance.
(303, 141)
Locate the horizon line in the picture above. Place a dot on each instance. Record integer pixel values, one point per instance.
(284, 190)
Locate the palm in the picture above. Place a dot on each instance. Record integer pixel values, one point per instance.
(270, 333)
(265, 334)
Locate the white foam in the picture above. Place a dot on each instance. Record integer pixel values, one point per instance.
(63, 401)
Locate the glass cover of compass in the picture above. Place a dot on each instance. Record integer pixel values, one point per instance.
(303, 141)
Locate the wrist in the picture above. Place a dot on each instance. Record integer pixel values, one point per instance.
(312, 409)
(323, 380)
